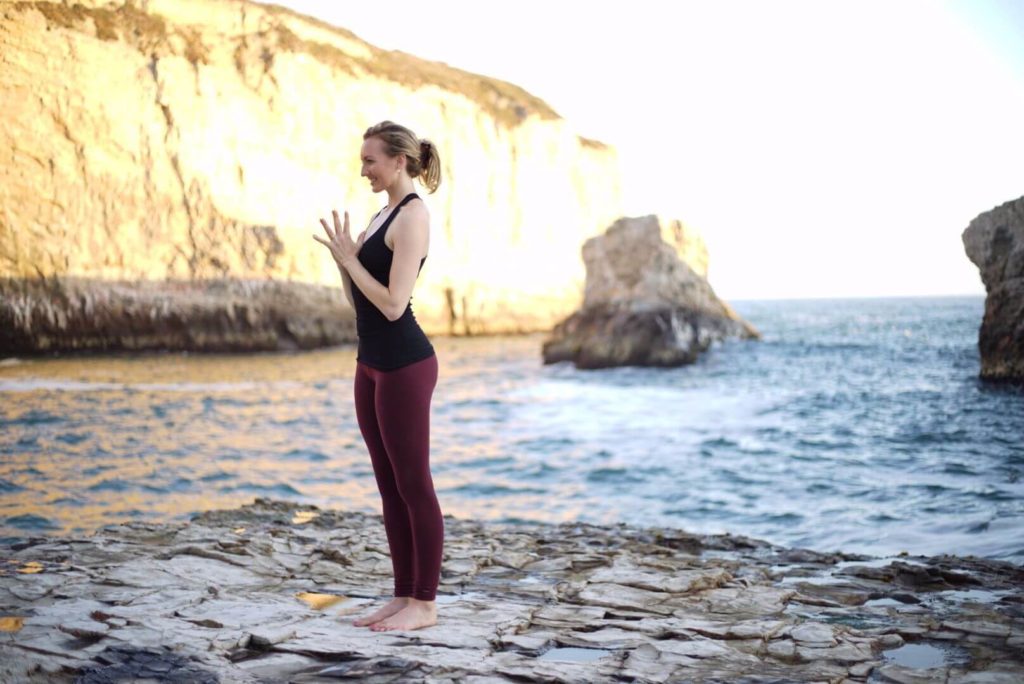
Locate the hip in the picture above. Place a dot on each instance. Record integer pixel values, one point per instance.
(416, 369)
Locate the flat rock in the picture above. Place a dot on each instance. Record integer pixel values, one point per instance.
(619, 603)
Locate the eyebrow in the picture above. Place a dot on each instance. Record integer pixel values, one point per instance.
(367, 157)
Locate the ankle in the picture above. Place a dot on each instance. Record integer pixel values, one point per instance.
(422, 603)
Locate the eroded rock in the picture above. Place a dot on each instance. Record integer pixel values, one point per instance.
(994, 241)
(245, 595)
(643, 304)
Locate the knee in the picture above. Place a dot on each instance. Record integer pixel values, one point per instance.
(415, 488)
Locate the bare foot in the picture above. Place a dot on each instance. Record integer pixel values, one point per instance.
(393, 606)
(415, 615)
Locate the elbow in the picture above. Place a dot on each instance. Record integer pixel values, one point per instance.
(394, 313)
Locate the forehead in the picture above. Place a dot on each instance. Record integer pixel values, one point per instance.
(373, 146)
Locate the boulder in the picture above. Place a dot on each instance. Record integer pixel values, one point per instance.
(994, 241)
(643, 303)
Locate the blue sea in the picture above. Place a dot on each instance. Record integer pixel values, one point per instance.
(854, 425)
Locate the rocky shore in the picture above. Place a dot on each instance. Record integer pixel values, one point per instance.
(267, 593)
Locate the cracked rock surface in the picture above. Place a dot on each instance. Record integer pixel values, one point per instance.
(268, 592)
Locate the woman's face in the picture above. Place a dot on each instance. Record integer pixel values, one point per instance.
(381, 169)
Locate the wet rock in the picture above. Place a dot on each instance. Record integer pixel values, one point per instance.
(978, 627)
(240, 596)
(906, 675)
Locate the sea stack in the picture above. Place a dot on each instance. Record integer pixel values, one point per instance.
(994, 241)
(643, 304)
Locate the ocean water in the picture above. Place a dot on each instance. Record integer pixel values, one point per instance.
(854, 424)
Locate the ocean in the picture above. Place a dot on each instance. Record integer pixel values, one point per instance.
(855, 425)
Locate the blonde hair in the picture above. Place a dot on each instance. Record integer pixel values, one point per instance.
(421, 158)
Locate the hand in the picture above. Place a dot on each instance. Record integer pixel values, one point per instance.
(343, 248)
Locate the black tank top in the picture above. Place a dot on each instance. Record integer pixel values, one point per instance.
(384, 344)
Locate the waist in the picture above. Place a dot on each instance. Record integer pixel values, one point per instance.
(370, 321)
(393, 348)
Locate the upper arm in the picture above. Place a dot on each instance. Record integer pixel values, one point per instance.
(410, 234)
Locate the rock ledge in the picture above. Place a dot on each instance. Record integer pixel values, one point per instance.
(267, 592)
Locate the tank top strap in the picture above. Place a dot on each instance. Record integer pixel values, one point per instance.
(411, 195)
(387, 221)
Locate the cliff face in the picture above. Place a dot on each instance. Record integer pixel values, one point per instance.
(193, 142)
(994, 241)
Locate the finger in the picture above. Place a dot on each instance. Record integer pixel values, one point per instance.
(327, 228)
(342, 230)
(329, 245)
(337, 221)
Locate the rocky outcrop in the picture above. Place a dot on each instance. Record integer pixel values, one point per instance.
(994, 241)
(169, 141)
(644, 304)
(268, 592)
(79, 315)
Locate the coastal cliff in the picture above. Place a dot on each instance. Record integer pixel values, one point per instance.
(994, 241)
(179, 146)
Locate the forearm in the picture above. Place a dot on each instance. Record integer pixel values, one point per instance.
(346, 284)
(375, 291)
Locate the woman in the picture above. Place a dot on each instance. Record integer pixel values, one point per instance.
(396, 367)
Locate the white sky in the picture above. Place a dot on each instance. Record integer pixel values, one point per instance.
(823, 148)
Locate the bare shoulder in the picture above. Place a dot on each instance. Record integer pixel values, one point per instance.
(415, 214)
(417, 208)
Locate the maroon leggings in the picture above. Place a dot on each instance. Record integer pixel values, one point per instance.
(393, 410)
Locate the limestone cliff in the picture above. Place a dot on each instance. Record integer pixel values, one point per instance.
(196, 144)
(994, 241)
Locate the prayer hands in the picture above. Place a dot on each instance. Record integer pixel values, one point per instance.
(343, 248)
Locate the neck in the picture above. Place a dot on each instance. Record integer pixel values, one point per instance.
(398, 191)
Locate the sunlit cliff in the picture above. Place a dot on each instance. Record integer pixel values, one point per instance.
(175, 146)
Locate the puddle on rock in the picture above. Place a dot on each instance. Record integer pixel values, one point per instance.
(855, 620)
(973, 595)
(574, 654)
(926, 656)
